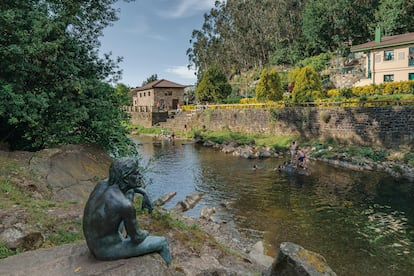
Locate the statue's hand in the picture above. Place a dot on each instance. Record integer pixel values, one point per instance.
(140, 236)
(146, 202)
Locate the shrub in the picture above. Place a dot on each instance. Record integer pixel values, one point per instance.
(269, 86)
(375, 155)
(307, 84)
(213, 86)
(325, 116)
(333, 93)
(318, 62)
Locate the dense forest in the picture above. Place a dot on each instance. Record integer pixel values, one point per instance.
(238, 35)
(54, 87)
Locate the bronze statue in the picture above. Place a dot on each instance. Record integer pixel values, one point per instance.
(109, 209)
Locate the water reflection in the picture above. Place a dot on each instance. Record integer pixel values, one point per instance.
(363, 223)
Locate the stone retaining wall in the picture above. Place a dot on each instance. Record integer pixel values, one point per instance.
(148, 119)
(389, 126)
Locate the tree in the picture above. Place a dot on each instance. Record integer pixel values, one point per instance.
(151, 78)
(239, 35)
(54, 87)
(213, 86)
(395, 16)
(269, 87)
(329, 25)
(307, 84)
(123, 92)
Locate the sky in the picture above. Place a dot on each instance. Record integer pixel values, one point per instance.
(153, 36)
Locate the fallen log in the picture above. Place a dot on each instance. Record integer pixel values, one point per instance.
(188, 203)
(162, 200)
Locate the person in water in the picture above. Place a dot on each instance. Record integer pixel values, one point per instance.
(301, 155)
(292, 149)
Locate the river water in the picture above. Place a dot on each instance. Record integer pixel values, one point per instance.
(361, 222)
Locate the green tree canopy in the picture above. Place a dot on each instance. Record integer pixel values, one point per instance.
(395, 16)
(269, 87)
(213, 86)
(151, 78)
(307, 84)
(240, 35)
(54, 87)
(330, 25)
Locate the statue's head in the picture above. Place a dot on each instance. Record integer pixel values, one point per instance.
(125, 173)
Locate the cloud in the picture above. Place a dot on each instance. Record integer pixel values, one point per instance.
(187, 8)
(158, 37)
(182, 72)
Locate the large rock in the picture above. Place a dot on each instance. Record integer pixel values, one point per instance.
(294, 260)
(257, 254)
(68, 173)
(75, 259)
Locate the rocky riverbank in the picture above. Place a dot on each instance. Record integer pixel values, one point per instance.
(42, 198)
(394, 164)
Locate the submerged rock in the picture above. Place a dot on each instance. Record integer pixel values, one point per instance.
(295, 260)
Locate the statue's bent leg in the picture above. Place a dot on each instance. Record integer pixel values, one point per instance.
(156, 244)
(127, 249)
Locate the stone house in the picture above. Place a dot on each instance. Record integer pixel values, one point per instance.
(158, 95)
(387, 58)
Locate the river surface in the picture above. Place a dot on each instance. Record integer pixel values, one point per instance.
(361, 222)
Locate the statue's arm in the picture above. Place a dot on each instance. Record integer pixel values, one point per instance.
(131, 224)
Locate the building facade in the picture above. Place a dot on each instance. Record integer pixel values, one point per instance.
(158, 95)
(387, 59)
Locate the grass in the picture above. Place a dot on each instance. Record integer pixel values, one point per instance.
(275, 142)
(409, 158)
(61, 235)
(189, 235)
(5, 252)
(13, 196)
(143, 130)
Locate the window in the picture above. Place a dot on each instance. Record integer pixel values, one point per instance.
(411, 56)
(401, 56)
(149, 94)
(388, 78)
(410, 76)
(389, 55)
(140, 95)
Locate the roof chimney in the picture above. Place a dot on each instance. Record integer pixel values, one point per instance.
(378, 34)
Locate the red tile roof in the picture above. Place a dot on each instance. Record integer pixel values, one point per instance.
(160, 84)
(386, 41)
